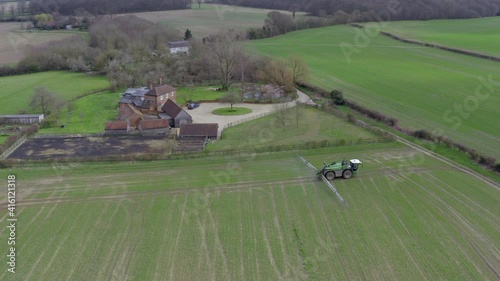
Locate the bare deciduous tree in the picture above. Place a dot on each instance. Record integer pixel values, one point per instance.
(223, 50)
(281, 112)
(45, 101)
(300, 70)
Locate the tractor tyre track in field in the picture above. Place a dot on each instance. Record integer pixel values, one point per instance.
(84, 243)
(133, 194)
(408, 232)
(205, 252)
(163, 242)
(466, 229)
(332, 238)
(177, 236)
(62, 225)
(299, 260)
(219, 244)
(492, 220)
(254, 235)
(443, 159)
(242, 256)
(98, 246)
(286, 259)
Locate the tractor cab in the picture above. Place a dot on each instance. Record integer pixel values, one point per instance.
(354, 163)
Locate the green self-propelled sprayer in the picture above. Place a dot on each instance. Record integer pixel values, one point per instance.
(340, 169)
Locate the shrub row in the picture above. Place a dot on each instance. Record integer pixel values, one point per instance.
(487, 161)
(184, 155)
(432, 45)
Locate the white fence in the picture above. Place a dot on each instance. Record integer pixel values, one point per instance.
(13, 147)
(228, 125)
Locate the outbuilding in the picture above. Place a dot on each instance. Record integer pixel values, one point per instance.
(22, 119)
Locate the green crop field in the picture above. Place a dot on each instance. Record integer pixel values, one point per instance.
(210, 18)
(87, 114)
(18, 90)
(409, 217)
(478, 35)
(14, 42)
(423, 87)
(3, 138)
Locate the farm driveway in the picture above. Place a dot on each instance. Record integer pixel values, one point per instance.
(203, 114)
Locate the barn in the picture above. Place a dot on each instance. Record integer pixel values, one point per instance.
(199, 130)
(154, 127)
(116, 128)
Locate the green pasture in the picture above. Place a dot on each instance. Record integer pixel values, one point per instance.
(15, 42)
(478, 35)
(409, 217)
(17, 91)
(424, 88)
(211, 18)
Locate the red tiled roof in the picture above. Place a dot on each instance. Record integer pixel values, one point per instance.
(127, 111)
(199, 129)
(116, 125)
(154, 124)
(171, 108)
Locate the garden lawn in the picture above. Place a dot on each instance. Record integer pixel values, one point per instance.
(17, 91)
(313, 125)
(88, 114)
(198, 93)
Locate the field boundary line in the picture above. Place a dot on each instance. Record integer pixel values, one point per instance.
(441, 47)
(443, 159)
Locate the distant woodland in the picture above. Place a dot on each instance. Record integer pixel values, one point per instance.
(363, 10)
(74, 7)
(352, 10)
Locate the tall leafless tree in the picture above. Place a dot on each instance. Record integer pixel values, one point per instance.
(222, 50)
(45, 101)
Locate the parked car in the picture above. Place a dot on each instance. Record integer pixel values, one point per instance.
(193, 105)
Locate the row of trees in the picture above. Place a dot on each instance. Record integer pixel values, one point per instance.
(362, 10)
(9, 10)
(101, 7)
(131, 51)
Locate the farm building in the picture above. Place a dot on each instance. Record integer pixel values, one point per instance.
(22, 119)
(154, 127)
(199, 130)
(178, 47)
(116, 128)
(174, 113)
(130, 114)
(148, 100)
